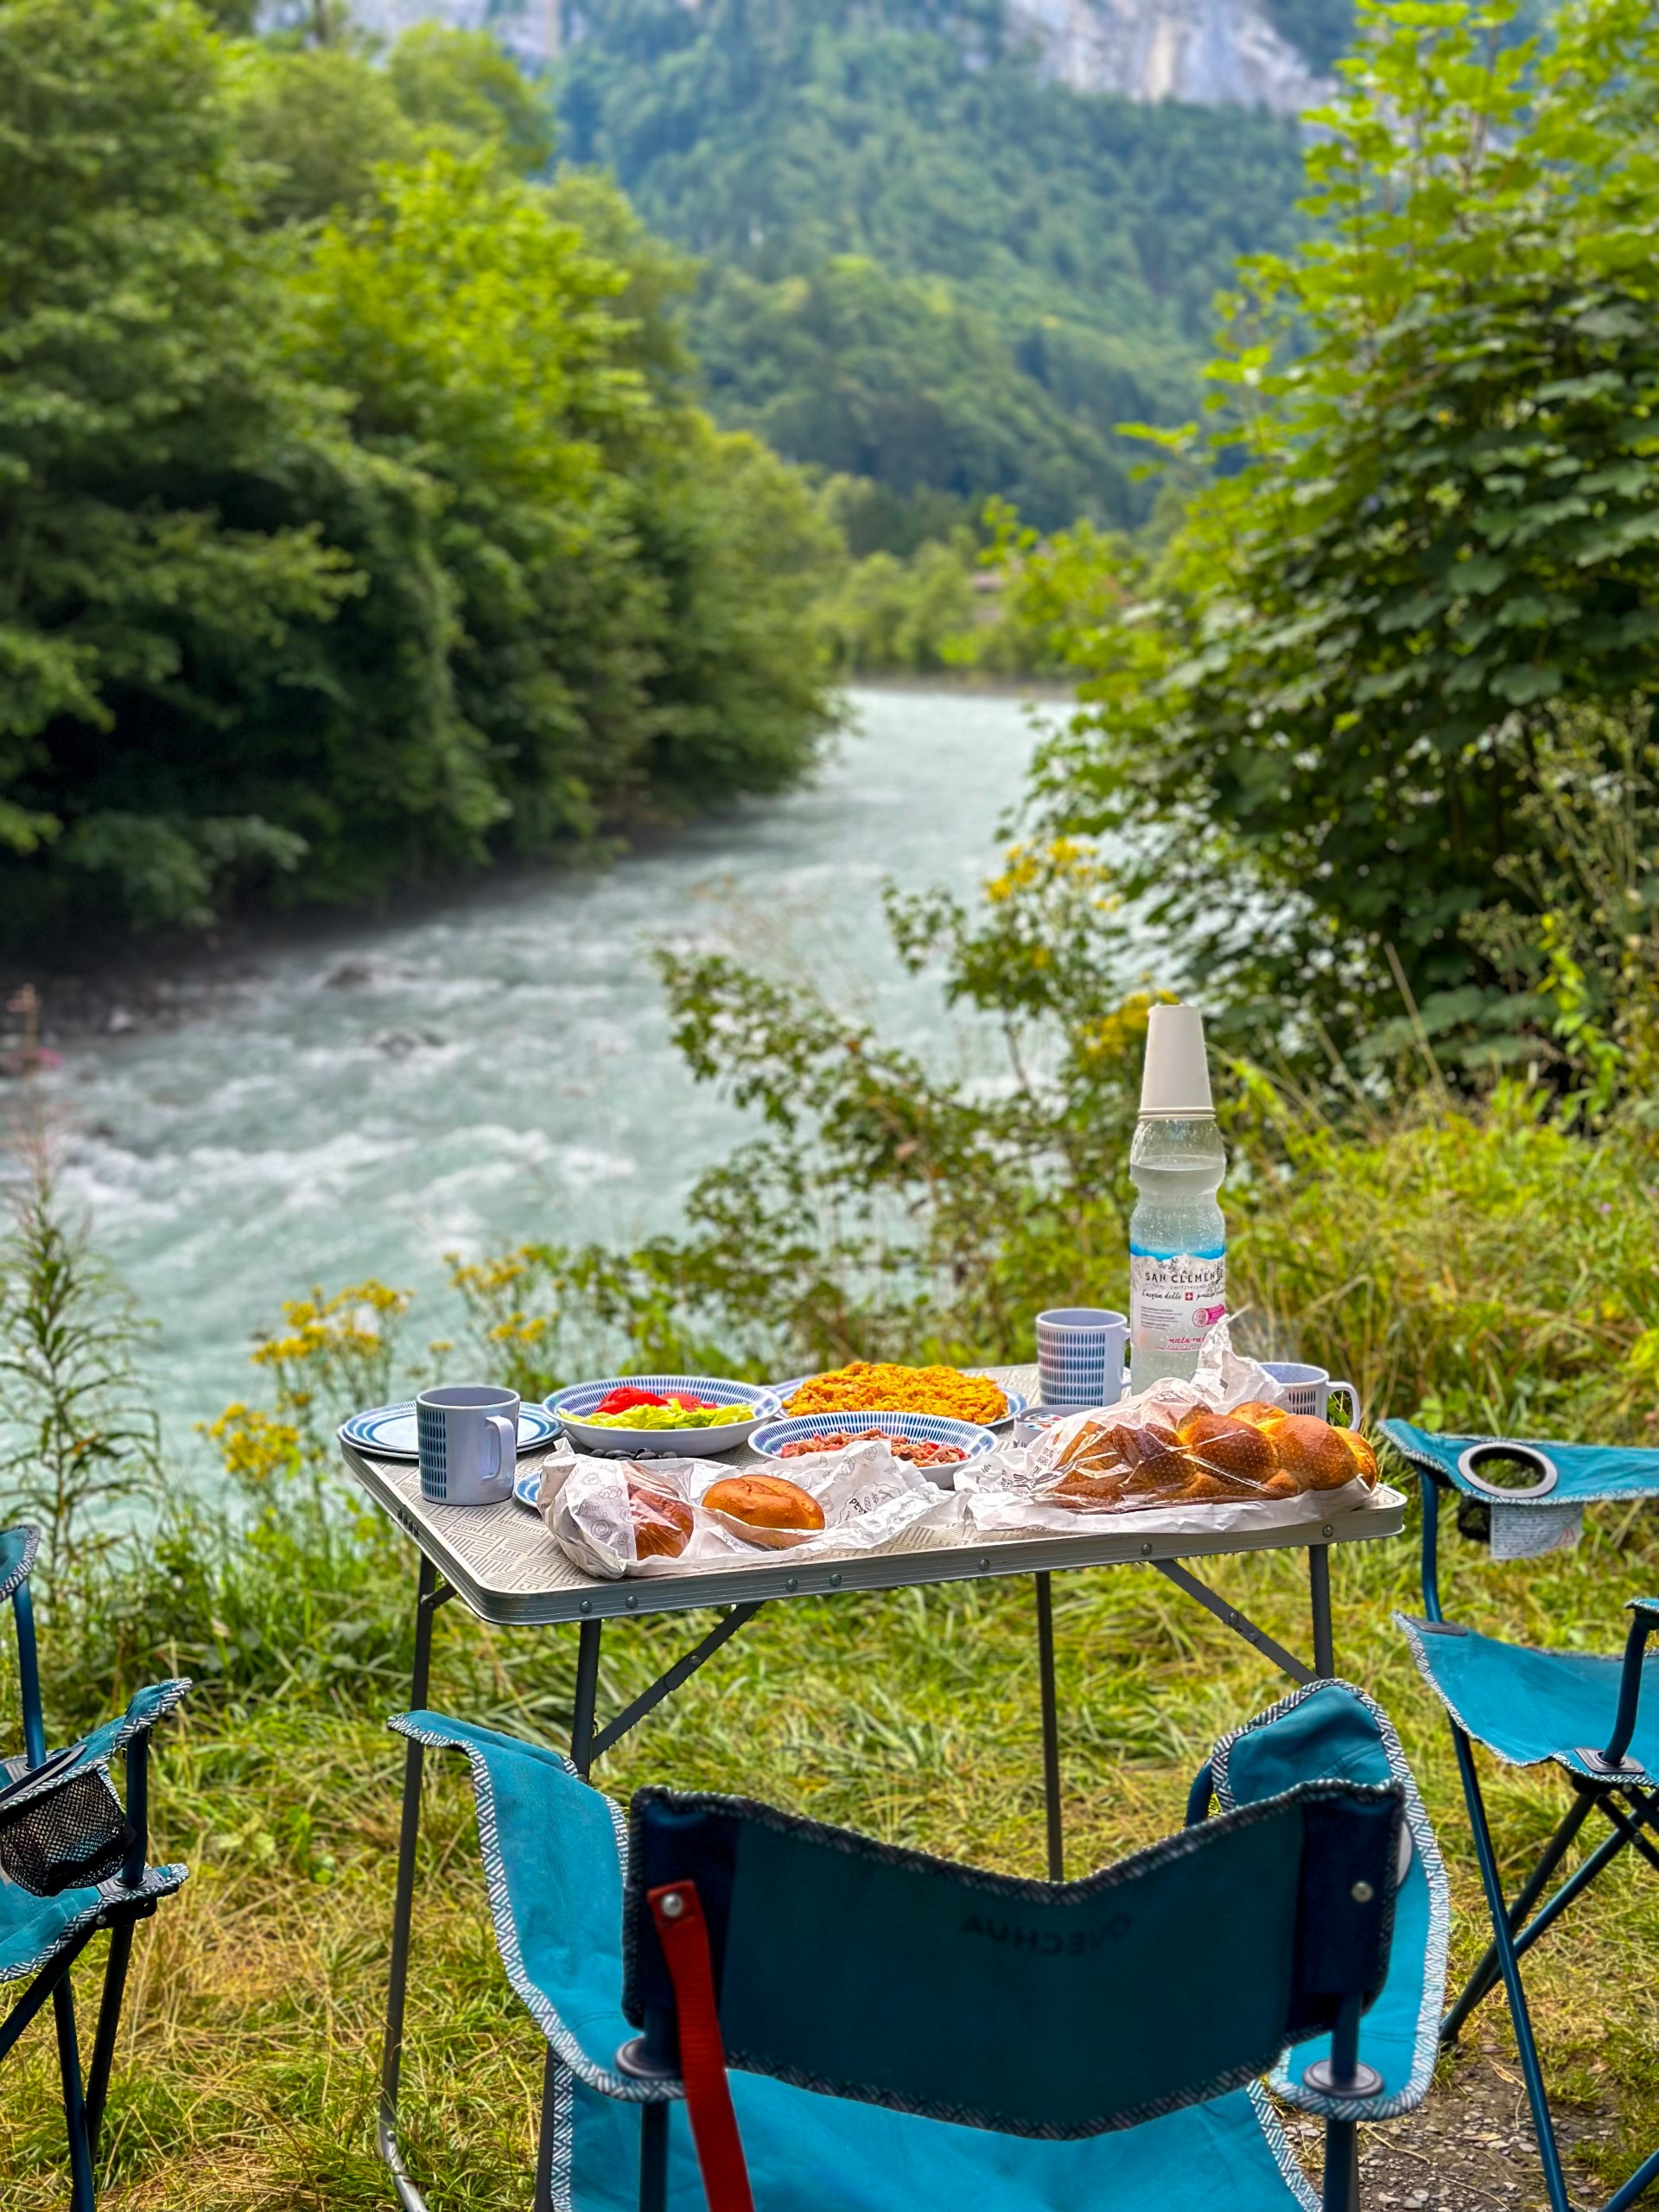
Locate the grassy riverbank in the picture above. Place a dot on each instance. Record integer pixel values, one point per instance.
(1482, 1266)
(246, 2074)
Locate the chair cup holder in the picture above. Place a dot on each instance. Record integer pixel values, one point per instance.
(1544, 1468)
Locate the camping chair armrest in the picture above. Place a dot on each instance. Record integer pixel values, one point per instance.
(553, 1852)
(144, 1708)
(131, 1735)
(1645, 1621)
(101, 1744)
(137, 1765)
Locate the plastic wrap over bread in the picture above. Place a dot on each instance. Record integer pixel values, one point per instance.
(617, 1517)
(1222, 1449)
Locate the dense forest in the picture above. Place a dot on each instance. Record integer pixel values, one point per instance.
(356, 525)
(926, 265)
(383, 495)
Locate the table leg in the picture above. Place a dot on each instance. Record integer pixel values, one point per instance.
(392, 2055)
(1318, 1581)
(1051, 1727)
(582, 1718)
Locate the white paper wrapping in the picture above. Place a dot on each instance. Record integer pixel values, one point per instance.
(1010, 1488)
(868, 1497)
(994, 1502)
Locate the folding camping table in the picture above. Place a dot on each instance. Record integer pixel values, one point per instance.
(503, 1563)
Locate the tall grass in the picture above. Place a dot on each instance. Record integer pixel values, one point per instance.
(1476, 1266)
(77, 1434)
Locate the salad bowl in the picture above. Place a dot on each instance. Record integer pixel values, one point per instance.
(745, 1406)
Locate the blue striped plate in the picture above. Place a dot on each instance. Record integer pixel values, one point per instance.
(388, 1431)
(568, 1406)
(915, 1428)
(1017, 1404)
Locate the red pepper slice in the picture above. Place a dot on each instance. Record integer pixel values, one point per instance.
(623, 1399)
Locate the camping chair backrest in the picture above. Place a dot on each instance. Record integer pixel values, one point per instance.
(1035, 2008)
(18, 1548)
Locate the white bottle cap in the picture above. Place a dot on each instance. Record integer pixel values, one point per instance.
(1176, 1078)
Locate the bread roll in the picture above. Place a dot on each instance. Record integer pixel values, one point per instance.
(1205, 1489)
(765, 1509)
(1084, 1491)
(1221, 1445)
(1258, 1412)
(1360, 1452)
(1155, 1459)
(1095, 1449)
(662, 1522)
(1313, 1452)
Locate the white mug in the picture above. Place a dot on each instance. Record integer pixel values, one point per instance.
(468, 1438)
(1307, 1389)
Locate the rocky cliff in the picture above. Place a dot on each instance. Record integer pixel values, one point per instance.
(1213, 53)
(528, 28)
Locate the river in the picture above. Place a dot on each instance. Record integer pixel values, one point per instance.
(499, 1067)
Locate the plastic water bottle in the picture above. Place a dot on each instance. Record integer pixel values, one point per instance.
(1178, 1240)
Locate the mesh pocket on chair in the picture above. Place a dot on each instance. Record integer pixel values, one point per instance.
(67, 1839)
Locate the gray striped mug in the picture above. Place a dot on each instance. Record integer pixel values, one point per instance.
(467, 1435)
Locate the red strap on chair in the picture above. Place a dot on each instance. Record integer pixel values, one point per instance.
(677, 1911)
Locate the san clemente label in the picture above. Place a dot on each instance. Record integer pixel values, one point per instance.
(1175, 1301)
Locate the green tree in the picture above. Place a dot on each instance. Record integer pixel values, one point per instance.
(865, 374)
(888, 615)
(1320, 713)
(318, 119)
(631, 589)
(153, 537)
(460, 85)
(342, 549)
(316, 122)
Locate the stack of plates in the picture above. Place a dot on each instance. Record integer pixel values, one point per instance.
(388, 1431)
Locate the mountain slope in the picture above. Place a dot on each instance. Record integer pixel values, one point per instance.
(949, 245)
(1034, 266)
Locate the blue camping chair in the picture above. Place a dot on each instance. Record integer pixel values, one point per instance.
(72, 1861)
(907, 2032)
(1588, 1715)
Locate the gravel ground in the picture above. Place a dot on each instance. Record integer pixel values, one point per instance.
(1467, 2148)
